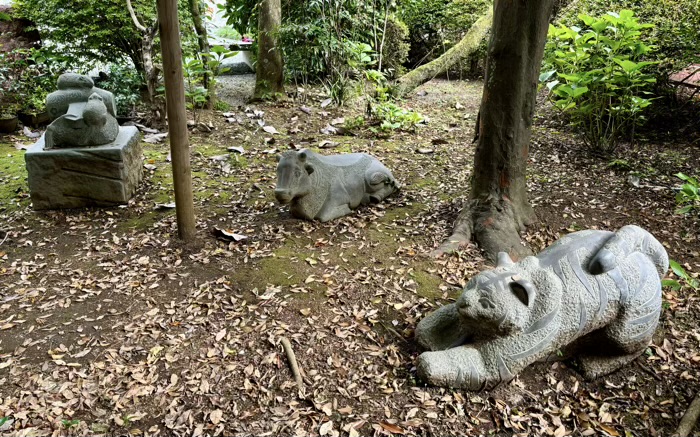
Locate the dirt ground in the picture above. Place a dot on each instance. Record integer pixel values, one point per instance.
(110, 325)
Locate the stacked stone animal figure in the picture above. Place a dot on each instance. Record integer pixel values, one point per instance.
(593, 296)
(83, 114)
(319, 187)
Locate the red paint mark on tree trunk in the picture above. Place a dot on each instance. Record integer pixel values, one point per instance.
(505, 180)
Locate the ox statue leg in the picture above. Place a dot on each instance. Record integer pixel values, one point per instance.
(337, 204)
(331, 213)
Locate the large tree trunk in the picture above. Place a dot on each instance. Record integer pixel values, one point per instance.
(468, 45)
(203, 43)
(498, 209)
(269, 75)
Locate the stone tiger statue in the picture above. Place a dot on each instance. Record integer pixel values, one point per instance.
(594, 296)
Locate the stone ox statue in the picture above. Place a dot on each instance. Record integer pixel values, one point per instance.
(83, 114)
(327, 187)
(593, 296)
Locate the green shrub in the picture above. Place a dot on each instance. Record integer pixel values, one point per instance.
(27, 76)
(394, 117)
(125, 83)
(227, 32)
(676, 30)
(598, 78)
(220, 105)
(689, 195)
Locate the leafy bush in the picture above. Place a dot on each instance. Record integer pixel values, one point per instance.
(689, 195)
(194, 71)
(27, 76)
(676, 23)
(382, 107)
(597, 76)
(393, 117)
(125, 83)
(80, 32)
(228, 32)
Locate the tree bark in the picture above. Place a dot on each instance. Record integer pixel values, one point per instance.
(203, 43)
(498, 209)
(149, 69)
(468, 45)
(177, 117)
(269, 74)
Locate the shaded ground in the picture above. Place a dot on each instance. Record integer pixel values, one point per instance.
(109, 325)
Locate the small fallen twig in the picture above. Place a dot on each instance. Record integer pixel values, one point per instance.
(294, 366)
(7, 234)
(690, 417)
(649, 371)
(393, 331)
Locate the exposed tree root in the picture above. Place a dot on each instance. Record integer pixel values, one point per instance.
(689, 418)
(293, 365)
(494, 226)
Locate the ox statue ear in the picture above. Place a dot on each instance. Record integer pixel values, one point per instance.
(302, 156)
(504, 260)
(278, 157)
(524, 290)
(309, 168)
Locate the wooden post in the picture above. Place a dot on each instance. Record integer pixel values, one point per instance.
(177, 117)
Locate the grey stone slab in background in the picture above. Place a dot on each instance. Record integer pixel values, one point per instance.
(88, 176)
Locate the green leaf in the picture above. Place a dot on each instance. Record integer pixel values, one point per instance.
(546, 75)
(587, 19)
(626, 64)
(672, 283)
(678, 270)
(599, 26)
(219, 49)
(625, 14)
(580, 91)
(690, 180)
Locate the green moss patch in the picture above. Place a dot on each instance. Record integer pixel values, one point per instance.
(14, 190)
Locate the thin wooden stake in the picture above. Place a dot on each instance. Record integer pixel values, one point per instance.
(177, 117)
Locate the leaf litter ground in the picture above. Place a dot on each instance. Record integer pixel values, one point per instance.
(108, 325)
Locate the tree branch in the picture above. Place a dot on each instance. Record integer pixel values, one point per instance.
(138, 25)
(468, 45)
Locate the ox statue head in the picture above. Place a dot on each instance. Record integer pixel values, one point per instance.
(293, 173)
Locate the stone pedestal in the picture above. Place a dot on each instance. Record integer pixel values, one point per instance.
(104, 175)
